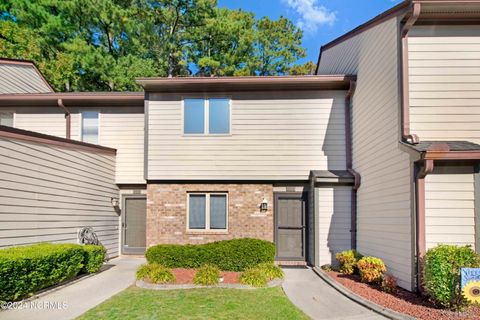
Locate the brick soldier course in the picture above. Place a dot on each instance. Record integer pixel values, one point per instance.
(167, 213)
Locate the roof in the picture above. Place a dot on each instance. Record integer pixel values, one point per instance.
(332, 176)
(14, 133)
(432, 11)
(260, 83)
(446, 146)
(21, 76)
(447, 150)
(130, 99)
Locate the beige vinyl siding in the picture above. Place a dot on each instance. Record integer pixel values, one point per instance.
(274, 136)
(47, 120)
(384, 199)
(121, 128)
(333, 207)
(444, 67)
(20, 78)
(47, 193)
(450, 207)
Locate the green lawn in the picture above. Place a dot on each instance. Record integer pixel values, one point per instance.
(136, 303)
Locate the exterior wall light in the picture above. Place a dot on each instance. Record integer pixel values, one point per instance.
(264, 205)
(115, 204)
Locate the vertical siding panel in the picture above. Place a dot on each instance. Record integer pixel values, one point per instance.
(450, 207)
(384, 199)
(334, 210)
(444, 64)
(47, 193)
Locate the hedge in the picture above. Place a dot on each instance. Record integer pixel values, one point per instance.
(441, 274)
(26, 270)
(228, 255)
(93, 258)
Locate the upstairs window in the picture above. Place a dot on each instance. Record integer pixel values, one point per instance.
(90, 126)
(6, 118)
(206, 116)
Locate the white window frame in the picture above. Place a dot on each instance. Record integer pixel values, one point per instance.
(206, 115)
(14, 125)
(207, 211)
(80, 124)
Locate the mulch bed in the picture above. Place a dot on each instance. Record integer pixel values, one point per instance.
(185, 276)
(402, 301)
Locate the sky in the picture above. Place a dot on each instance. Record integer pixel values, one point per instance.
(321, 20)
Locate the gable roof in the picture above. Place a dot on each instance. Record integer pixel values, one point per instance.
(21, 76)
(433, 11)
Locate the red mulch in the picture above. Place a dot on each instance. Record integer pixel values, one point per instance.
(185, 276)
(402, 301)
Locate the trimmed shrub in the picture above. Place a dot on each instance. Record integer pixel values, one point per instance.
(271, 271)
(26, 270)
(441, 274)
(348, 261)
(207, 275)
(228, 255)
(254, 277)
(371, 269)
(155, 273)
(94, 256)
(389, 283)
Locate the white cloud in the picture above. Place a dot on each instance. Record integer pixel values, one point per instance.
(312, 15)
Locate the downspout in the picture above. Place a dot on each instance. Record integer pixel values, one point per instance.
(356, 175)
(68, 118)
(407, 136)
(427, 168)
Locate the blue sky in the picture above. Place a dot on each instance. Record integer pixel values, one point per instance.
(321, 20)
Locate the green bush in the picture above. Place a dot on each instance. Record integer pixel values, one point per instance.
(94, 256)
(254, 277)
(207, 275)
(228, 255)
(371, 269)
(26, 270)
(441, 274)
(271, 271)
(348, 261)
(155, 273)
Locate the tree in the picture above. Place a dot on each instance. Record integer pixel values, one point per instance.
(277, 46)
(308, 68)
(105, 44)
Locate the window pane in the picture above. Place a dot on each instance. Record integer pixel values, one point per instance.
(196, 210)
(218, 211)
(219, 116)
(194, 116)
(6, 119)
(90, 127)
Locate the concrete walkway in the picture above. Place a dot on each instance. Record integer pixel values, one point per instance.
(319, 300)
(72, 300)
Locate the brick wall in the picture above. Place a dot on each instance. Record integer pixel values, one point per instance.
(167, 213)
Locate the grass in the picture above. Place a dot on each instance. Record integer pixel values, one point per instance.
(214, 303)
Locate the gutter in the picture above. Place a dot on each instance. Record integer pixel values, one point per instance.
(68, 118)
(356, 175)
(407, 136)
(427, 168)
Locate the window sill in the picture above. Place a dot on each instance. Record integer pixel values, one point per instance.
(207, 232)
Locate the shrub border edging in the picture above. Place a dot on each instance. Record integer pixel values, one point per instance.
(390, 314)
(151, 286)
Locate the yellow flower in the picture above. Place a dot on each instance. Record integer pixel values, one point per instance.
(472, 291)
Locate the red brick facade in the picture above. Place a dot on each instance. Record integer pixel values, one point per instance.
(167, 213)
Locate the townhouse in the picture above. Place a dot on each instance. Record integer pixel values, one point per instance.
(378, 151)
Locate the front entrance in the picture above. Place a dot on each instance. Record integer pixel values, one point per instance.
(134, 224)
(290, 226)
